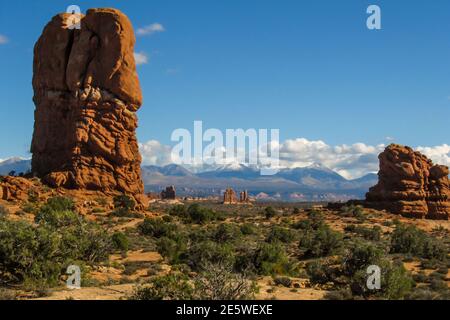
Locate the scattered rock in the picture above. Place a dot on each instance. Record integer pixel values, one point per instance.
(16, 188)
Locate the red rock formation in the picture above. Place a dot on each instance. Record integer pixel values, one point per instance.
(169, 193)
(243, 197)
(87, 92)
(229, 196)
(409, 184)
(16, 188)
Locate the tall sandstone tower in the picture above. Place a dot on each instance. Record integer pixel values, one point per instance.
(87, 92)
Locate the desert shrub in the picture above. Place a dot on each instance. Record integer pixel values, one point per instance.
(156, 227)
(214, 282)
(373, 234)
(101, 201)
(438, 285)
(174, 286)
(248, 229)
(39, 253)
(57, 219)
(59, 204)
(124, 201)
(7, 294)
(271, 259)
(360, 256)
(269, 212)
(125, 213)
(321, 242)
(396, 282)
(342, 294)
(200, 215)
(319, 272)
(167, 218)
(202, 253)
(3, 212)
(280, 234)
(179, 210)
(120, 241)
(423, 294)
(354, 212)
(226, 232)
(411, 240)
(296, 211)
(283, 281)
(219, 282)
(172, 248)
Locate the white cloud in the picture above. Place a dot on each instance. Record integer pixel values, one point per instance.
(3, 39)
(150, 29)
(140, 58)
(439, 154)
(351, 161)
(155, 153)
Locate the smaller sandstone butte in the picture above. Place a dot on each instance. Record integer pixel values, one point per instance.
(229, 196)
(87, 92)
(243, 197)
(409, 184)
(169, 193)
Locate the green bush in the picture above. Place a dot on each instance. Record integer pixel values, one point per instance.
(200, 215)
(125, 213)
(271, 259)
(172, 248)
(269, 212)
(280, 234)
(202, 253)
(411, 240)
(396, 282)
(57, 219)
(353, 211)
(157, 228)
(214, 282)
(360, 256)
(248, 229)
(321, 242)
(283, 281)
(3, 212)
(174, 286)
(179, 210)
(59, 204)
(124, 201)
(120, 241)
(39, 254)
(373, 234)
(219, 282)
(319, 272)
(226, 232)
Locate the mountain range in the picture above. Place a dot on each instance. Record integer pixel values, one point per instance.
(313, 183)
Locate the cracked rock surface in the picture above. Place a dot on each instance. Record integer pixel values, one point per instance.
(411, 185)
(87, 92)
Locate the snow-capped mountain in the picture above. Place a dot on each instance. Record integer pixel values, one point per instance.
(312, 183)
(16, 164)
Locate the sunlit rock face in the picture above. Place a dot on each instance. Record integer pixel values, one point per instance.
(87, 92)
(411, 185)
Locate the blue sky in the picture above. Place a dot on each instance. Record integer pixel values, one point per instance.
(310, 68)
